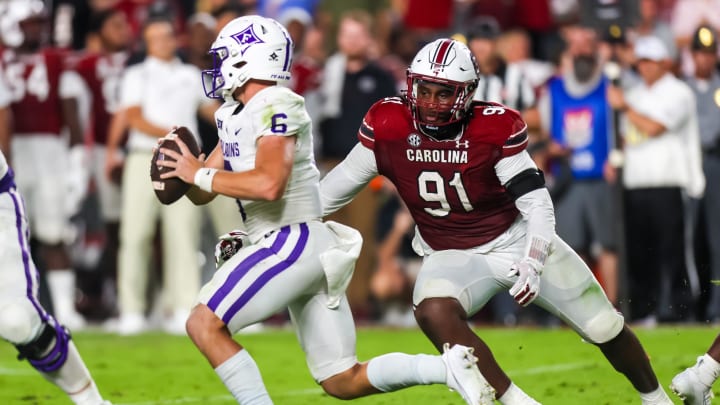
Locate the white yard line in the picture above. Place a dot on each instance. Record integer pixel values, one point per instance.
(551, 369)
(16, 371)
(223, 398)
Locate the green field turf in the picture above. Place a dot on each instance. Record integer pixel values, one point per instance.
(552, 365)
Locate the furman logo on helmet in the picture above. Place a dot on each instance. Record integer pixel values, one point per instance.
(246, 37)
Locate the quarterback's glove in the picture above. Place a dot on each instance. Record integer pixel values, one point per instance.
(228, 245)
(527, 285)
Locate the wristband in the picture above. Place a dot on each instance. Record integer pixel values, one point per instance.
(204, 178)
(537, 252)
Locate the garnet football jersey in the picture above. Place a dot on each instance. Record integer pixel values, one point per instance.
(102, 74)
(450, 186)
(34, 81)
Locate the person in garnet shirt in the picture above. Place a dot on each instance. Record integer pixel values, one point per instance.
(484, 220)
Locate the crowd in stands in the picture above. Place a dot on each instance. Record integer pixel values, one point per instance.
(624, 118)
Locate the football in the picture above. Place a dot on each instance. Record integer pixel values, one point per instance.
(170, 190)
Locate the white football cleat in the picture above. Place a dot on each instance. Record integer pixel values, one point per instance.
(464, 376)
(128, 324)
(690, 389)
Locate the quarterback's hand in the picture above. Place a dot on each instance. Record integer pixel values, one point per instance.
(183, 165)
(527, 285)
(228, 245)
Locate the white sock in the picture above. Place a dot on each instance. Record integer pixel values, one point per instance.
(708, 369)
(394, 371)
(515, 396)
(62, 291)
(657, 397)
(74, 378)
(241, 376)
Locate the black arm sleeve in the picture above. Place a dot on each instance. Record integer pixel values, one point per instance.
(525, 182)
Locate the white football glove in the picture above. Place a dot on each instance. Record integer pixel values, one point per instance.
(228, 245)
(77, 180)
(527, 285)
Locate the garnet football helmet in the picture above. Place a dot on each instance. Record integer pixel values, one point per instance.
(250, 47)
(12, 13)
(451, 64)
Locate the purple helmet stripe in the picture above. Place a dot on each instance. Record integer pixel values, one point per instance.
(245, 266)
(31, 275)
(269, 275)
(288, 44)
(287, 54)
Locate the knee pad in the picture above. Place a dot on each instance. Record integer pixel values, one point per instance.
(604, 327)
(49, 350)
(19, 321)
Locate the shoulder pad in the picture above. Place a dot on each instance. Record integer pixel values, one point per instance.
(500, 125)
(382, 113)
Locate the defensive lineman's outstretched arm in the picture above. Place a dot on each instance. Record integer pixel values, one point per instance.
(347, 179)
(524, 182)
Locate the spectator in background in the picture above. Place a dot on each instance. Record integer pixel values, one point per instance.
(51, 171)
(425, 19)
(100, 72)
(686, 17)
(157, 94)
(402, 47)
(513, 46)
(662, 161)
(615, 48)
(573, 110)
(650, 24)
(227, 12)
(352, 82)
(499, 82)
(705, 84)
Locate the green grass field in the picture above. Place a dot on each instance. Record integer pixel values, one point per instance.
(552, 365)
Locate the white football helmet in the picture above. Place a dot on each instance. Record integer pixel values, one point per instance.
(249, 47)
(449, 63)
(12, 13)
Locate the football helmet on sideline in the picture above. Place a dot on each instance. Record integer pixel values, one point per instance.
(12, 13)
(448, 63)
(250, 47)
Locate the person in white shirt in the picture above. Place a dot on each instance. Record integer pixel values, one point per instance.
(289, 258)
(662, 164)
(157, 94)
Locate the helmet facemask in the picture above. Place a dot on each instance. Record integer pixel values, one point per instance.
(213, 80)
(441, 84)
(442, 113)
